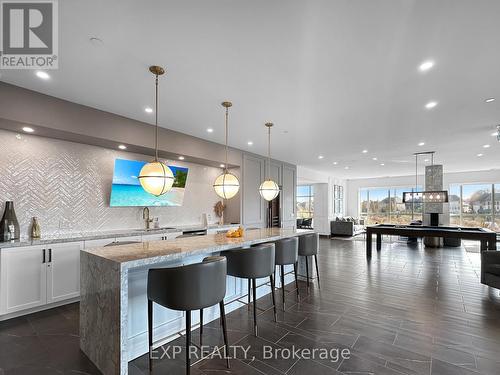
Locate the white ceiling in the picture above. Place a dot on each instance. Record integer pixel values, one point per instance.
(335, 76)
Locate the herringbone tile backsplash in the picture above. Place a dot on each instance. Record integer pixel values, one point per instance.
(67, 186)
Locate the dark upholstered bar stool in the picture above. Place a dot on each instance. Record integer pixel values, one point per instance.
(287, 252)
(309, 246)
(253, 263)
(187, 288)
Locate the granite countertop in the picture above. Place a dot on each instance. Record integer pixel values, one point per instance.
(98, 235)
(145, 253)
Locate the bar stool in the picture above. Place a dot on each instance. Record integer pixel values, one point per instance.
(309, 246)
(187, 288)
(287, 253)
(253, 263)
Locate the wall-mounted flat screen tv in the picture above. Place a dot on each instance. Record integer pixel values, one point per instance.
(127, 191)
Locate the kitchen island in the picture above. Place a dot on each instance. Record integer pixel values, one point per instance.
(113, 292)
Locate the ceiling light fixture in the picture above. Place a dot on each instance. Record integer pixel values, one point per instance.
(210, 130)
(181, 157)
(148, 110)
(43, 75)
(431, 105)
(156, 177)
(222, 165)
(479, 155)
(382, 164)
(421, 144)
(364, 151)
(320, 157)
(489, 100)
(122, 147)
(426, 65)
(486, 146)
(250, 143)
(335, 163)
(227, 184)
(374, 159)
(346, 167)
(269, 189)
(27, 129)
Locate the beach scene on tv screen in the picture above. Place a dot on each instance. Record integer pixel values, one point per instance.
(127, 191)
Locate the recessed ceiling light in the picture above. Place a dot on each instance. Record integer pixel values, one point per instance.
(43, 75)
(431, 105)
(489, 100)
(479, 155)
(27, 129)
(335, 163)
(486, 146)
(374, 158)
(210, 130)
(494, 134)
(122, 147)
(346, 167)
(181, 158)
(364, 151)
(222, 166)
(249, 143)
(426, 65)
(148, 110)
(426, 160)
(421, 144)
(382, 164)
(320, 157)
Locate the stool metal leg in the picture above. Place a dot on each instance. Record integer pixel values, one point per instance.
(224, 331)
(317, 269)
(307, 272)
(296, 279)
(282, 269)
(274, 298)
(254, 287)
(150, 333)
(188, 341)
(249, 293)
(201, 327)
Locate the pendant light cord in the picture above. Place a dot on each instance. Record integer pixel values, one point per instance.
(227, 117)
(156, 118)
(268, 152)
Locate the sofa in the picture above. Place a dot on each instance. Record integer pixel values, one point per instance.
(490, 268)
(346, 227)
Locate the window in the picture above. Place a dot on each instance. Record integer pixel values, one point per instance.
(305, 201)
(385, 205)
(475, 205)
(338, 200)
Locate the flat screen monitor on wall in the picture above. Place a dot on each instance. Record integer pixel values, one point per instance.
(127, 191)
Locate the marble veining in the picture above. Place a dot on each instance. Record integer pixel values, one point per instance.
(104, 276)
(142, 254)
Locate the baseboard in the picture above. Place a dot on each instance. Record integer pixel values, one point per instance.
(38, 309)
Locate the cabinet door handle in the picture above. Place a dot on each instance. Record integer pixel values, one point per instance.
(50, 255)
(43, 256)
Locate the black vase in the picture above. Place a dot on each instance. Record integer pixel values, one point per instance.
(9, 221)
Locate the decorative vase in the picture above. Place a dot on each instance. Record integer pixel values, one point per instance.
(35, 229)
(9, 226)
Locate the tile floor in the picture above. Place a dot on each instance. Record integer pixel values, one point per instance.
(410, 310)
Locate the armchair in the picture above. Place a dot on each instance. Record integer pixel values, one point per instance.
(490, 268)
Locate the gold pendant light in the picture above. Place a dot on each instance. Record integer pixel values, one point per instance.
(269, 189)
(156, 177)
(226, 185)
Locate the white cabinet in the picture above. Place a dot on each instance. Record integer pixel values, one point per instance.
(160, 236)
(23, 273)
(34, 276)
(63, 271)
(253, 206)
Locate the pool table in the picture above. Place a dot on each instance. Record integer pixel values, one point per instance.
(487, 237)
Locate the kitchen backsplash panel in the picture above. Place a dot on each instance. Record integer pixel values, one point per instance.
(67, 186)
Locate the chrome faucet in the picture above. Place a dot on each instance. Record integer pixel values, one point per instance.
(145, 216)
